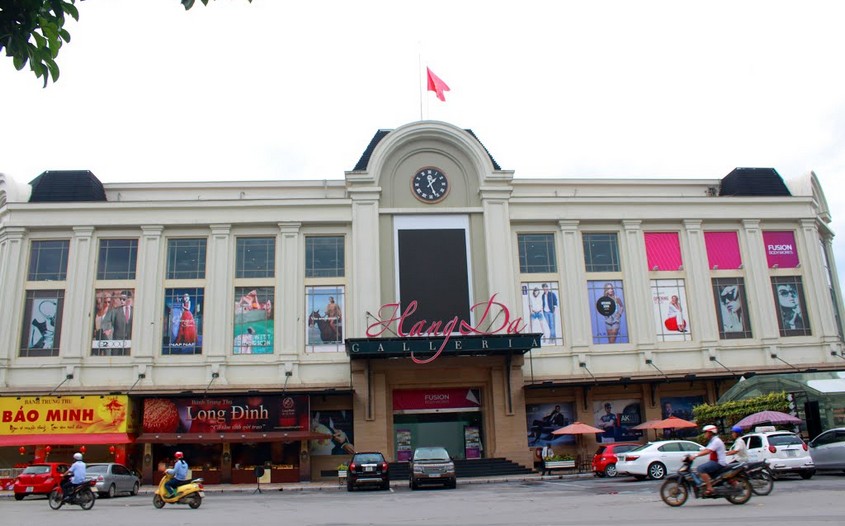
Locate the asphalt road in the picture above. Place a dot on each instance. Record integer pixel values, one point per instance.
(554, 502)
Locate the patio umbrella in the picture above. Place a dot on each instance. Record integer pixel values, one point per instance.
(673, 422)
(577, 429)
(648, 424)
(768, 417)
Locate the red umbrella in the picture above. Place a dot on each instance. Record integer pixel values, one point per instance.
(768, 417)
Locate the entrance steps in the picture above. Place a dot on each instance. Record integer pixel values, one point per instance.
(479, 467)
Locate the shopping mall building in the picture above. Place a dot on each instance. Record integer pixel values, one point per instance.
(426, 297)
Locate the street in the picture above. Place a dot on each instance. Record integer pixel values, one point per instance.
(553, 502)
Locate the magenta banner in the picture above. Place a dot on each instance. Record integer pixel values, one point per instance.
(663, 251)
(780, 249)
(722, 250)
(225, 414)
(436, 399)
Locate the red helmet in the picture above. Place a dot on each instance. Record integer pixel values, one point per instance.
(178, 454)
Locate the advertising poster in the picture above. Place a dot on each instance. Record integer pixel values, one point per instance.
(253, 330)
(63, 414)
(403, 445)
(545, 418)
(669, 299)
(324, 312)
(113, 318)
(226, 414)
(681, 407)
(780, 249)
(541, 310)
(42, 321)
(617, 418)
(338, 424)
(733, 317)
(607, 311)
(791, 308)
(472, 442)
(183, 321)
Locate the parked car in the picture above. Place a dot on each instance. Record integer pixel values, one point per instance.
(604, 461)
(39, 479)
(367, 469)
(655, 460)
(784, 451)
(828, 449)
(432, 466)
(113, 479)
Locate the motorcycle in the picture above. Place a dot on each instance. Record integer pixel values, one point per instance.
(190, 493)
(761, 478)
(81, 494)
(731, 484)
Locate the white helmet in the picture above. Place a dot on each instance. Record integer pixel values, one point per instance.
(77, 456)
(711, 428)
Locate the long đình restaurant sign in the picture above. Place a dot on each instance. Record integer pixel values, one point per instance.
(63, 414)
(226, 414)
(494, 331)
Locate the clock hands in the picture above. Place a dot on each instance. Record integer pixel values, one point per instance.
(431, 183)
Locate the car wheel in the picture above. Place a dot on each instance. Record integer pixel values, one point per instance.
(656, 471)
(135, 488)
(112, 491)
(349, 485)
(19, 496)
(413, 485)
(807, 474)
(452, 484)
(610, 470)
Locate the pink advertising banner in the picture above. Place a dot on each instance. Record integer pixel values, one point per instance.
(663, 250)
(722, 250)
(436, 399)
(780, 249)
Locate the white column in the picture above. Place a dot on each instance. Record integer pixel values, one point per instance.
(149, 295)
(816, 291)
(637, 287)
(13, 277)
(365, 254)
(499, 249)
(77, 315)
(290, 295)
(700, 304)
(217, 330)
(758, 285)
(576, 330)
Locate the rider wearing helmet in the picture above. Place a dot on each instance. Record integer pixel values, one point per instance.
(715, 448)
(739, 449)
(179, 472)
(74, 476)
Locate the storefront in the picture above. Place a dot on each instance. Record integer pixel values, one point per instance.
(225, 438)
(52, 428)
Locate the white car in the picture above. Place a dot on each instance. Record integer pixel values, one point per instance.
(785, 452)
(655, 460)
(828, 449)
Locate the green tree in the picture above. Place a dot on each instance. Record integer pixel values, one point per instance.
(32, 31)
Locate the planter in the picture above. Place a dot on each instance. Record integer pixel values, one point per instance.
(557, 464)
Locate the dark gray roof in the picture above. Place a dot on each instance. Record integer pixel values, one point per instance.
(381, 134)
(61, 186)
(762, 182)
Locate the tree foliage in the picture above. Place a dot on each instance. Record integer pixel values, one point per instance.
(32, 31)
(734, 411)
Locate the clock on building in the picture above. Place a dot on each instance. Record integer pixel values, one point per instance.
(430, 185)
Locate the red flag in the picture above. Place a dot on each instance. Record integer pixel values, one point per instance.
(436, 85)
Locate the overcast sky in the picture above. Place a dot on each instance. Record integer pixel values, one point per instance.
(289, 90)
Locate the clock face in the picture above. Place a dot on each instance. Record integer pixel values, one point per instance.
(430, 185)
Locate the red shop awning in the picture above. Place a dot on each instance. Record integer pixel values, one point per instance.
(213, 438)
(69, 439)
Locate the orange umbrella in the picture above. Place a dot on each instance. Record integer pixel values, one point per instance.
(577, 428)
(673, 422)
(648, 424)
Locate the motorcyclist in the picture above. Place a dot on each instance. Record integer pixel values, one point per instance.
(74, 476)
(179, 472)
(739, 448)
(715, 448)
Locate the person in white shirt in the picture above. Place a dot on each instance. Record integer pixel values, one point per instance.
(715, 448)
(739, 450)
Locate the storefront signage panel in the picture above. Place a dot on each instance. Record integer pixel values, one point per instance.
(424, 350)
(434, 399)
(226, 414)
(65, 414)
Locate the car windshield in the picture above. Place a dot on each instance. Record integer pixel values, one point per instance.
(36, 470)
(97, 468)
(431, 453)
(784, 440)
(368, 457)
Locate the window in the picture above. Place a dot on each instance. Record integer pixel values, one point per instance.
(781, 250)
(730, 308)
(255, 257)
(113, 319)
(186, 258)
(663, 251)
(42, 323)
(607, 311)
(324, 314)
(754, 442)
(183, 308)
(324, 257)
(669, 301)
(601, 252)
(117, 259)
(254, 324)
(792, 311)
(541, 307)
(722, 250)
(48, 260)
(536, 253)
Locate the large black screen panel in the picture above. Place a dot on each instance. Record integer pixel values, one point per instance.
(433, 271)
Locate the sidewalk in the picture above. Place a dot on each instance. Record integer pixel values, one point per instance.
(327, 486)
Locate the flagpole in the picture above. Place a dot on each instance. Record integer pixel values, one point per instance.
(419, 72)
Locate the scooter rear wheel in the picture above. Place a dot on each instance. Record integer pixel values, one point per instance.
(762, 483)
(85, 498)
(195, 501)
(158, 502)
(55, 499)
(743, 497)
(674, 493)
